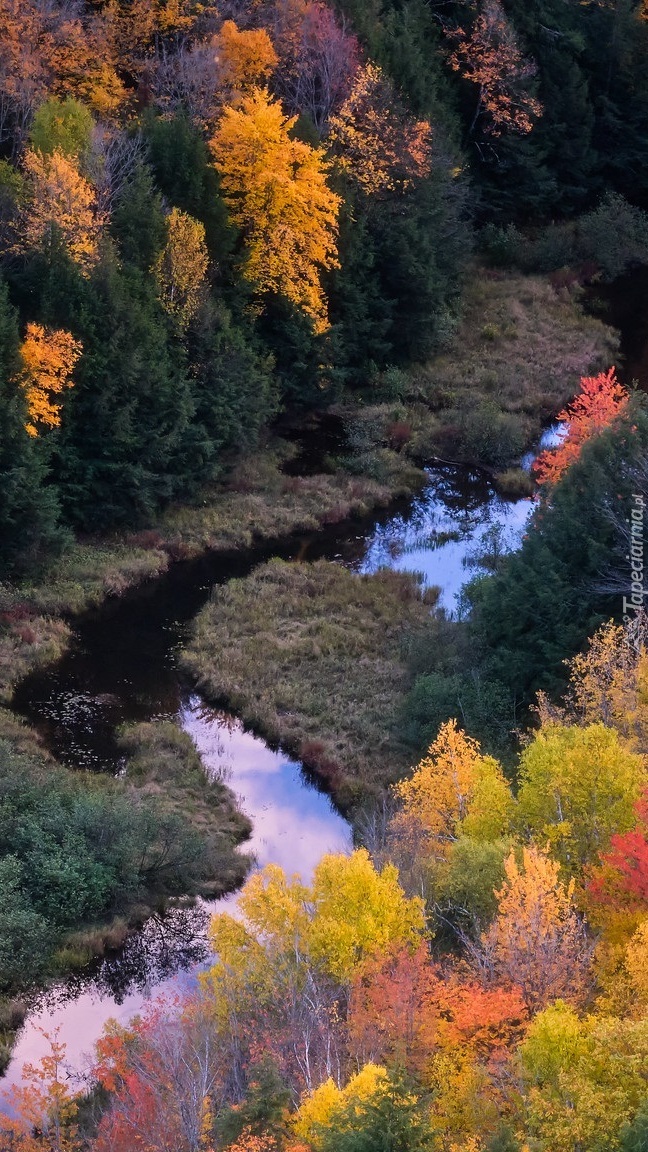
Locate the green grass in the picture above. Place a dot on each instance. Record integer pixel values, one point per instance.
(314, 658)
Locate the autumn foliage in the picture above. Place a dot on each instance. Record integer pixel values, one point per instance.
(278, 196)
(63, 206)
(537, 940)
(488, 56)
(181, 267)
(380, 146)
(599, 402)
(48, 359)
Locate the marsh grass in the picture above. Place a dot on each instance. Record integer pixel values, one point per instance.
(259, 502)
(314, 657)
(517, 357)
(27, 640)
(162, 762)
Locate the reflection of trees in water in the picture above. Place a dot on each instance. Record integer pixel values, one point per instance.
(453, 509)
(167, 944)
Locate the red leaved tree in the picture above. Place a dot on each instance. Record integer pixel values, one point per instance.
(403, 1010)
(601, 399)
(621, 880)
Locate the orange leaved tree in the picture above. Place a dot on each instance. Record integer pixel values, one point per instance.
(48, 358)
(63, 205)
(600, 400)
(276, 192)
(489, 56)
(537, 941)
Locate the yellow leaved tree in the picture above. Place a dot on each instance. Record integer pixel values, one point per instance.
(456, 791)
(48, 358)
(276, 191)
(318, 1109)
(62, 204)
(181, 267)
(284, 969)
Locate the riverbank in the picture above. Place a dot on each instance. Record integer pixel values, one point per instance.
(259, 503)
(515, 359)
(313, 657)
(344, 727)
(87, 858)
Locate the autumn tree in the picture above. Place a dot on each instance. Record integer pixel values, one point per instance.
(24, 76)
(277, 194)
(584, 1079)
(62, 205)
(44, 1107)
(244, 59)
(200, 78)
(318, 1108)
(181, 267)
(599, 402)
(50, 50)
(609, 681)
(280, 982)
(537, 941)
(488, 55)
(28, 506)
(319, 59)
(620, 881)
(48, 358)
(376, 142)
(164, 1079)
(456, 791)
(403, 1010)
(578, 786)
(395, 1117)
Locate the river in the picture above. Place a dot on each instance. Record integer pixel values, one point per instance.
(122, 666)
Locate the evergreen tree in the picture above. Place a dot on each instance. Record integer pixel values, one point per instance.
(28, 506)
(138, 221)
(393, 1119)
(127, 445)
(185, 176)
(232, 383)
(541, 606)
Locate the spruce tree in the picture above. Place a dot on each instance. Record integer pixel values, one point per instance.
(29, 526)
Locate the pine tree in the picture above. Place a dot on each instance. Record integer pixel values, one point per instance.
(28, 506)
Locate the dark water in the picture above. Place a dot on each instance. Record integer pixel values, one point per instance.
(122, 666)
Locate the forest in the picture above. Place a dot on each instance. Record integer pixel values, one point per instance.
(387, 228)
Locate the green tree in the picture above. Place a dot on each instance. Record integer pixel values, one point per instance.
(62, 126)
(393, 1119)
(543, 603)
(128, 444)
(183, 173)
(634, 1136)
(29, 510)
(578, 786)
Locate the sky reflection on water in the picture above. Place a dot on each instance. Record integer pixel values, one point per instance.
(122, 667)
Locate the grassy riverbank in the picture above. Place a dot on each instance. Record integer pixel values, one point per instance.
(259, 503)
(314, 658)
(85, 858)
(515, 360)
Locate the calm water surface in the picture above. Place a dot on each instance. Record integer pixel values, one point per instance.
(122, 666)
